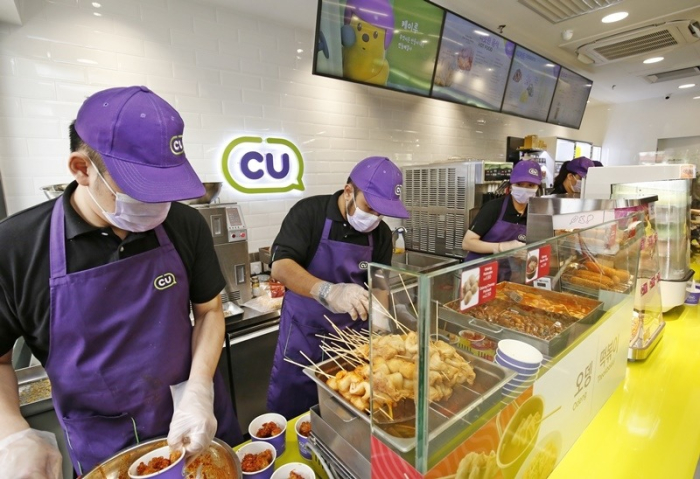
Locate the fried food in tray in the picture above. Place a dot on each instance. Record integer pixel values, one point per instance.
(393, 370)
(538, 313)
(593, 275)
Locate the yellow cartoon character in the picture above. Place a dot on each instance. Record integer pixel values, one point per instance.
(366, 35)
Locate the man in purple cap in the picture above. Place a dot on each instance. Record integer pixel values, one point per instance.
(501, 224)
(100, 287)
(570, 176)
(321, 255)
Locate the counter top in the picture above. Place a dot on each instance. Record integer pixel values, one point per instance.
(650, 426)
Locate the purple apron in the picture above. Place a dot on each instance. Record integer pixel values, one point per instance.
(291, 392)
(120, 336)
(499, 232)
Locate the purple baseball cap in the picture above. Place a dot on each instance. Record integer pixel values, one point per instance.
(526, 171)
(380, 181)
(580, 165)
(139, 136)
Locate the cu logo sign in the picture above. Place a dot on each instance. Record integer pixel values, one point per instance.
(255, 165)
(164, 281)
(363, 265)
(522, 238)
(176, 145)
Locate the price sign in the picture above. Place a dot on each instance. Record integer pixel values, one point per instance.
(478, 285)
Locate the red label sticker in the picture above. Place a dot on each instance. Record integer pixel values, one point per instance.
(545, 255)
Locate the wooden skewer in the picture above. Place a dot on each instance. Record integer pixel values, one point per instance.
(314, 367)
(408, 296)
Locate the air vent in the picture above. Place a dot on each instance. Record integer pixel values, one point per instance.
(559, 10)
(673, 75)
(636, 42)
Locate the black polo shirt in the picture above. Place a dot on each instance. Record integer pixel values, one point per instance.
(24, 263)
(302, 229)
(489, 212)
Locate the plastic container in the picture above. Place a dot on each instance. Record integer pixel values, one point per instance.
(693, 294)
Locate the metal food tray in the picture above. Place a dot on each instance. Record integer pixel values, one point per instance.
(550, 347)
(466, 404)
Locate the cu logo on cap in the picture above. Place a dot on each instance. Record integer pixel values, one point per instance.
(522, 238)
(533, 172)
(397, 190)
(164, 281)
(363, 265)
(176, 145)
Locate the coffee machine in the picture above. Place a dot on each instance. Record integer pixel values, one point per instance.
(230, 235)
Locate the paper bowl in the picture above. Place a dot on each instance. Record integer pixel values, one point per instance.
(511, 455)
(174, 471)
(278, 441)
(508, 363)
(303, 441)
(519, 353)
(302, 469)
(257, 448)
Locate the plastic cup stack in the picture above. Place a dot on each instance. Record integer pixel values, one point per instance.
(522, 358)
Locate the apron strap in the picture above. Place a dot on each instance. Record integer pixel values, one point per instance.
(57, 240)
(162, 236)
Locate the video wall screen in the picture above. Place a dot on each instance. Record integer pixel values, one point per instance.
(379, 42)
(417, 47)
(473, 64)
(570, 99)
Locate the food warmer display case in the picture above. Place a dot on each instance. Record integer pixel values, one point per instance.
(672, 184)
(428, 394)
(555, 215)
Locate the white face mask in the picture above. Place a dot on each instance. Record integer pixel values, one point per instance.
(522, 195)
(576, 186)
(361, 220)
(130, 214)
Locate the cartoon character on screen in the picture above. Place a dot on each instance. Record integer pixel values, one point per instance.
(366, 35)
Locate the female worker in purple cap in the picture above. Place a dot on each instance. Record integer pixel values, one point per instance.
(568, 181)
(500, 225)
(100, 286)
(321, 255)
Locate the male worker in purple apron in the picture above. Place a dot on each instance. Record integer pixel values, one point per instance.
(501, 224)
(100, 287)
(321, 255)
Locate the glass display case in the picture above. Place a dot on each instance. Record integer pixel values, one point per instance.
(431, 391)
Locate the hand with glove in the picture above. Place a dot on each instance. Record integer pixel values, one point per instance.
(507, 245)
(342, 298)
(193, 425)
(31, 454)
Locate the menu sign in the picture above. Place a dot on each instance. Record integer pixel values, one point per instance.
(478, 285)
(570, 97)
(472, 65)
(530, 86)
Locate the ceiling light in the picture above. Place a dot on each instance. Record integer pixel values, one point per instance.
(614, 17)
(97, 14)
(299, 50)
(479, 32)
(550, 65)
(696, 98)
(653, 60)
(96, 5)
(687, 85)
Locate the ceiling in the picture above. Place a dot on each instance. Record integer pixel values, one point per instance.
(617, 82)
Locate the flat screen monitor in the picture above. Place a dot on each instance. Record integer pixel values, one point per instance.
(390, 44)
(530, 86)
(472, 65)
(570, 98)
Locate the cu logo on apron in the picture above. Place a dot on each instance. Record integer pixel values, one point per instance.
(164, 281)
(363, 265)
(522, 238)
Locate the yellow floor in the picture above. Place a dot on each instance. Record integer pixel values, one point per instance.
(650, 426)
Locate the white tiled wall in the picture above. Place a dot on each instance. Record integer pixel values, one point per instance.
(228, 75)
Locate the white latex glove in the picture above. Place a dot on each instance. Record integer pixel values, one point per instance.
(508, 245)
(343, 298)
(31, 454)
(193, 425)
